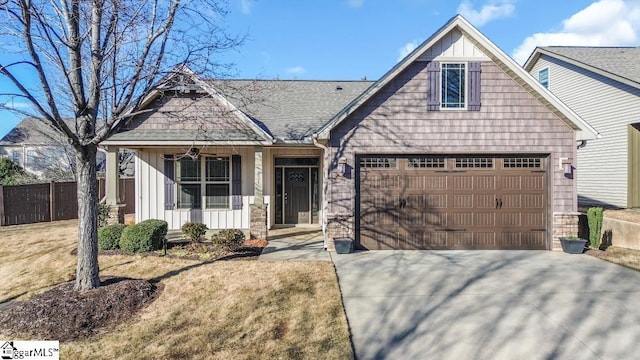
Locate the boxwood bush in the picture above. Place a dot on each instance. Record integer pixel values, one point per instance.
(144, 236)
(194, 231)
(109, 236)
(229, 239)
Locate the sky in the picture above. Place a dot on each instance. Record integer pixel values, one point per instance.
(354, 39)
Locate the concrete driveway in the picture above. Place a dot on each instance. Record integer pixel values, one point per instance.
(489, 305)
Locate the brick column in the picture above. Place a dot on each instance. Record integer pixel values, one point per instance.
(116, 214)
(258, 222)
(564, 224)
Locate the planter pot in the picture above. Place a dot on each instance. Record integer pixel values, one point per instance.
(343, 245)
(573, 246)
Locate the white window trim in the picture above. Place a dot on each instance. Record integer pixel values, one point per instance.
(466, 90)
(548, 77)
(203, 184)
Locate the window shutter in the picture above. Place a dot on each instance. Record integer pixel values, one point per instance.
(169, 181)
(236, 183)
(475, 68)
(433, 80)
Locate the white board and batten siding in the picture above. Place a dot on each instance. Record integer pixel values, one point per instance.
(453, 46)
(608, 106)
(150, 180)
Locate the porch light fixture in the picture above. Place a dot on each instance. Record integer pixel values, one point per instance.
(565, 166)
(342, 166)
(568, 169)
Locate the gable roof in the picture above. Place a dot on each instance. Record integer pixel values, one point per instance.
(276, 110)
(583, 130)
(34, 131)
(618, 63)
(184, 80)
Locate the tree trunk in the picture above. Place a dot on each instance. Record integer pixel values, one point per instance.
(87, 271)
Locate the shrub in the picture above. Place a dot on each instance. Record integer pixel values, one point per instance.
(109, 236)
(144, 236)
(194, 231)
(594, 216)
(103, 214)
(230, 239)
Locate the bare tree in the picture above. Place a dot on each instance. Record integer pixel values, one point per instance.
(95, 61)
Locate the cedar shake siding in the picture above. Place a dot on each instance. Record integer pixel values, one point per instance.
(182, 116)
(396, 121)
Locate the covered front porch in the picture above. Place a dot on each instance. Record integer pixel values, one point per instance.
(251, 188)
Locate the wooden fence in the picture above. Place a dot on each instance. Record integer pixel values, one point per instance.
(26, 204)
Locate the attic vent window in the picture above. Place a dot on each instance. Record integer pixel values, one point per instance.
(338, 87)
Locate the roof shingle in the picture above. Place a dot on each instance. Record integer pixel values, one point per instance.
(621, 61)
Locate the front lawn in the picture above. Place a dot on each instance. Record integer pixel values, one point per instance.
(240, 309)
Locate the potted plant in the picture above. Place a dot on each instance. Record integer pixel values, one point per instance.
(343, 245)
(572, 244)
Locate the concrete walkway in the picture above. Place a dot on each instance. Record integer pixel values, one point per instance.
(489, 305)
(295, 243)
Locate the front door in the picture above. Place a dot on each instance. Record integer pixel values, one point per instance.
(296, 195)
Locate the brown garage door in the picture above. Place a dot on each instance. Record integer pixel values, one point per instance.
(462, 202)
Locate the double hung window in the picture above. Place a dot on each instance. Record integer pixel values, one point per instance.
(212, 189)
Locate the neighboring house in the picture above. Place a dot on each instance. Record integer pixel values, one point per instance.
(38, 149)
(456, 147)
(602, 85)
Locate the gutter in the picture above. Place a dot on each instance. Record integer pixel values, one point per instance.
(325, 187)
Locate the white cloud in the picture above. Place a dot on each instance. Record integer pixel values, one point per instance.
(355, 3)
(603, 23)
(246, 6)
(490, 11)
(407, 49)
(296, 70)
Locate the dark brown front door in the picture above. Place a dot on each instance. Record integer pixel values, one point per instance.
(296, 195)
(423, 202)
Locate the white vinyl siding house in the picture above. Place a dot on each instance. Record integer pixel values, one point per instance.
(609, 106)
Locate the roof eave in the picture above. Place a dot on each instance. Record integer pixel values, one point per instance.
(535, 56)
(161, 143)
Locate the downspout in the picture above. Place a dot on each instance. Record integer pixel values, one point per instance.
(582, 144)
(325, 187)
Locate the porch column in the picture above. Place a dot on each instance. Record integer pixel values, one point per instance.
(258, 191)
(258, 208)
(112, 186)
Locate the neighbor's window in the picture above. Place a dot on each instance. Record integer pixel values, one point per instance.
(31, 157)
(214, 187)
(453, 86)
(543, 77)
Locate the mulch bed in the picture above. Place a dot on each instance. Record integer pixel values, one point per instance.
(65, 314)
(250, 250)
